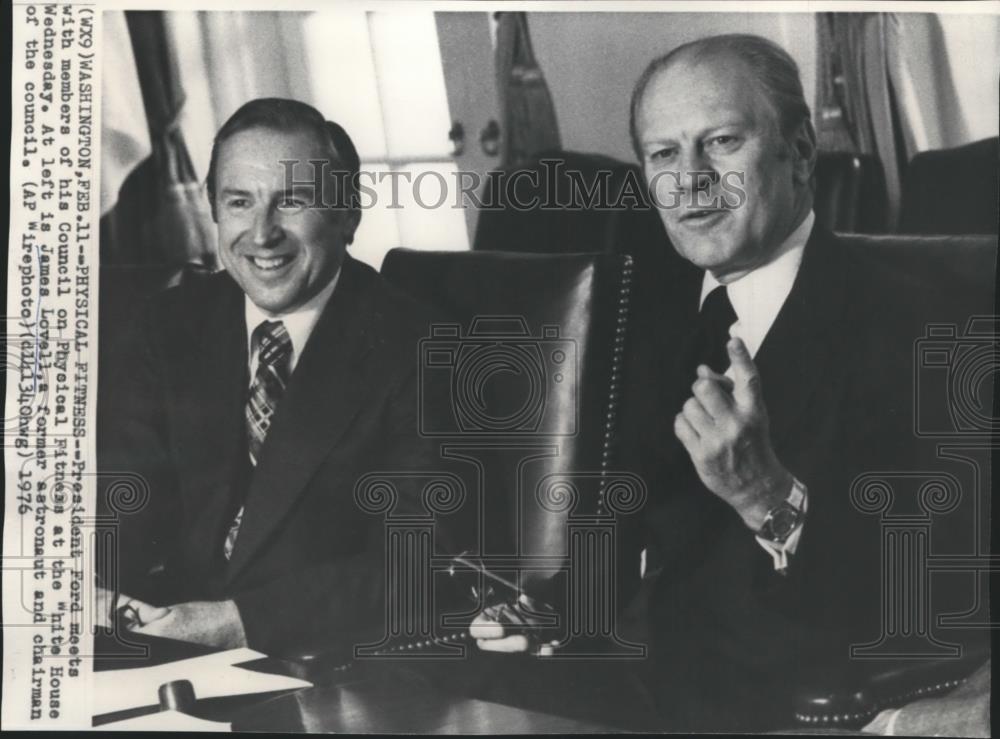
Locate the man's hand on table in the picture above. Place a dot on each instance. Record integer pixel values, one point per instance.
(212, 623)
(105, 606)
(133, 611)
(493, 626)
(724, 427)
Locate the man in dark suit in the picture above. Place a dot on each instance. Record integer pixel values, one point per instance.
(253, 400)
(777, 369)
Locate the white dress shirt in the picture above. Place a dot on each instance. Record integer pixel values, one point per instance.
(758, 295)
(298, 323)
(757, 298)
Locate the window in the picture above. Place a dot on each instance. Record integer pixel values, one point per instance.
(379, 75)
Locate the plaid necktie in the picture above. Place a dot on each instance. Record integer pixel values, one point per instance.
(274, 353)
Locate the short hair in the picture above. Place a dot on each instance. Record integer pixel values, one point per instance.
(775, 70)
(282, 114)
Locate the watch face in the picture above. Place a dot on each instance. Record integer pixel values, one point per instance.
(783, 520)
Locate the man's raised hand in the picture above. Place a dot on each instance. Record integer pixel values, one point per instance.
(725, 429)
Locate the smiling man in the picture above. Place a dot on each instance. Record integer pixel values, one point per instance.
(777, 369)
(252, 401)
(277, 238)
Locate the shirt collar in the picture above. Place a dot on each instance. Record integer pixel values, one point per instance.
(299, 323)
(757, 296)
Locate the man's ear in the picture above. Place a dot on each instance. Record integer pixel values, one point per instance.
(804, 152)
(352, 218)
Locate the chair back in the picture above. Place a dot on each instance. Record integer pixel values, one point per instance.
(938, 261)
(523, 378)
(953, 191)
(850, 192)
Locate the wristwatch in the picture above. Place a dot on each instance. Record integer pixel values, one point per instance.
(784, 518)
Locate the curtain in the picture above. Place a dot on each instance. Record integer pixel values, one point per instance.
(923, 75)
(247, 55)
(161, 216)
(191, 71)
(856, 111)
(884, 87)
(528, 116)
(124, 131)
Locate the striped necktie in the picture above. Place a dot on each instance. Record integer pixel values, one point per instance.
(274, 354)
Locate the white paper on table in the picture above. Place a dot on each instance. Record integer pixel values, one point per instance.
(212, 676)
(166, 721)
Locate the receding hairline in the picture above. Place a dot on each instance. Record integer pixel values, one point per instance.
(694, 56)
(319, 138)
(322, 151)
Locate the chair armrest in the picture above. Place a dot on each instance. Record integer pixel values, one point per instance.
(891, 686)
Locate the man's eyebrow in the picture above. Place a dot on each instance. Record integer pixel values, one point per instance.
(658, 140)
(735, 123)
(663, 139)
(711, 131)
(233, 191)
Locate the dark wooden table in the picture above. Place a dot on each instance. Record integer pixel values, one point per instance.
(397, 701)
(390, 696)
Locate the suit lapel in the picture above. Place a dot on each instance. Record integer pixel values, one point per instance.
(323, 396)
(210, 392)
(795, 357)
(678, 341)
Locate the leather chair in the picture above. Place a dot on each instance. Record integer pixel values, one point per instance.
(551, 492)
(894, 685)
(953, 191)
(530, 355)
(850, 192)
(549, 210)
(968, 260)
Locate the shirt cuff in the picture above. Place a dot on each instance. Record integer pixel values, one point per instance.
(780, 552)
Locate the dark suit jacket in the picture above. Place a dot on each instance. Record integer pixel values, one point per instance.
(732, 641)
(307, 569)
